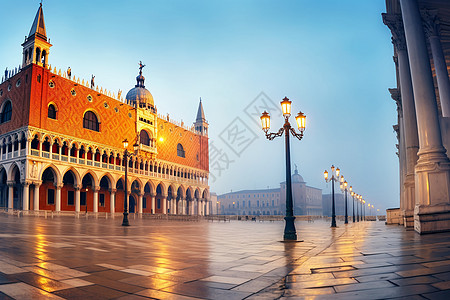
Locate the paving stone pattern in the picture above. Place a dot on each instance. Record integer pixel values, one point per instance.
(68, 258)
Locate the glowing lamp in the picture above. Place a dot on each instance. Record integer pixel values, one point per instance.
(125, 143)
(265, 121)
(301, 121)
(342, 179)
(345, 184)
(337, 172)
(286, 107)
(350, 189)
(325, 174)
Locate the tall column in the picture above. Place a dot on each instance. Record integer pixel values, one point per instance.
(199, 207)
(58, 197)
(183, 206)
(432, 180)
(36, 196)
(431, 26)
(77, 197)
(95, 190)
(141, 196)
(26, 196)
(164, 204)
(112, 200)
(207, 207)
(408, 124)
(10, 194)
(153, 196)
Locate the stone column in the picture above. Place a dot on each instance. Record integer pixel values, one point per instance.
(431, 26)
(36, 196)
(77, 197)
(112, 200)
(153, 196)
(183, 207)
(10, 194)
(58, 197)
(95, 190)
(199, 207)
(26, 196)
(432, 180)
(207, 207)
(164, 204)
(140, 203)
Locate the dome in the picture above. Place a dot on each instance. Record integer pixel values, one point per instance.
(138, 96)
(297, 177)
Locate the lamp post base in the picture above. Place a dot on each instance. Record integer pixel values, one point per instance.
(333, 222)
(290, 234)
(125, 220)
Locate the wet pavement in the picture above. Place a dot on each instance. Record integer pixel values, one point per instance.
(70, 258)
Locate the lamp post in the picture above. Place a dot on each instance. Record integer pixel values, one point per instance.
(352, 193)
(289, 229)
(334, 177)
(363, 204)
(344, 188)
(357, 208)
(125, 202)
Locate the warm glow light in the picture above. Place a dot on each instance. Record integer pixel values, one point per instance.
(301, 121)
(337, 172)
(332, 168)
(350, 189)
(345, 184)
(325, 174)
(342, 179)
(161, 139)
(352, 193)
(125, 143)
(286, 107)
(372, 205)
(265, 121)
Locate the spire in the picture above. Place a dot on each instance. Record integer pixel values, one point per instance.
(38, 27)
(200, 113)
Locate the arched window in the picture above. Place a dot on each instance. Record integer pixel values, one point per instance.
(52, 111)
(90, 121)
(6, 112)
(180, 150)
(144, 138)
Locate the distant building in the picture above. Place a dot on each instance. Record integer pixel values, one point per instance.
(307, 200)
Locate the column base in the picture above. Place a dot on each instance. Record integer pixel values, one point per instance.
(432, 218)
(432, 180)
(392, 216)
(408, 219)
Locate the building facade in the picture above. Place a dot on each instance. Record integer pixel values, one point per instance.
(306, 200)
(421, 38)
(61, 143)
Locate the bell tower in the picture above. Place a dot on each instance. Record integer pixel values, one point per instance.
(36, 47)
(200, 123)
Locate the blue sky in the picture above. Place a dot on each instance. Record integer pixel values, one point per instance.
(333, 59)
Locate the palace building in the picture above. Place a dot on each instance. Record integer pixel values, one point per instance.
(61, 144)
(421, 39)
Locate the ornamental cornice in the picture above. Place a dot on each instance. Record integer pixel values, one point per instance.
(430, 23)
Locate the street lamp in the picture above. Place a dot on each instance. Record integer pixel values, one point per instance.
(358, 213)
(125, 203)
(352, 193)
(289, 229)
(344, 187)
(364, 209)
(334, 177)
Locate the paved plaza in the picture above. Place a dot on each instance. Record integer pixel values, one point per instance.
(70, 258)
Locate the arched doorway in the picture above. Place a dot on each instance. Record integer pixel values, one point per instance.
(47, 191)
(104, 197)
(68, 191)
(3, 189)
(120, 195)
(87, 193)
(159, 199)
(146, 199)
(170, 198)
(133, 200)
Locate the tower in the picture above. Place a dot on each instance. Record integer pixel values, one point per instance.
(36, 47)
(201, 125)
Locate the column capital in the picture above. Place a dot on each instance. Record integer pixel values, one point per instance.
(152, 195)
(26, 182)
(430, 22)
(395, 24)
(77, 187)
(96, 189)
(112, 190)
(37, 183)
(59, 186)
(10, 183)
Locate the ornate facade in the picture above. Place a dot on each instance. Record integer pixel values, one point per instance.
(61, 144)
(421, 38)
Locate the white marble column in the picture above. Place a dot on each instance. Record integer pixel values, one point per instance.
(432, 180)
(431, 26)
(141, 196)
(112, 200)
(10, 194)
(58, 197)
(207, 207)
(164, 205)
(26, 196)
(36, 196)
(153, 196)
(95, 205)
(77, 197)
(183, 207)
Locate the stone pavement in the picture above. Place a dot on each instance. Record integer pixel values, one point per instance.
(71, 258)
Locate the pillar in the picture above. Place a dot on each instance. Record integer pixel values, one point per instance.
(431, 26)
(164, 204)
(10, 194)
(95, 190)
(58, 197)
(432, 172)
(26, 196)
(183, 206)
(207, 207)
(77, 197)
(112, 200)
(141, 196)
(36, 196)
(199, 207)
(153, 196)
(408, 124)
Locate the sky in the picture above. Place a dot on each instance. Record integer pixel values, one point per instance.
(332, 59)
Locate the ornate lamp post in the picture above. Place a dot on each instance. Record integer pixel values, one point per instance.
(334, 177)
(357, 208)
(363, 204)
(289, 229)
(125, 202)
(344, 188)
(352, 193)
